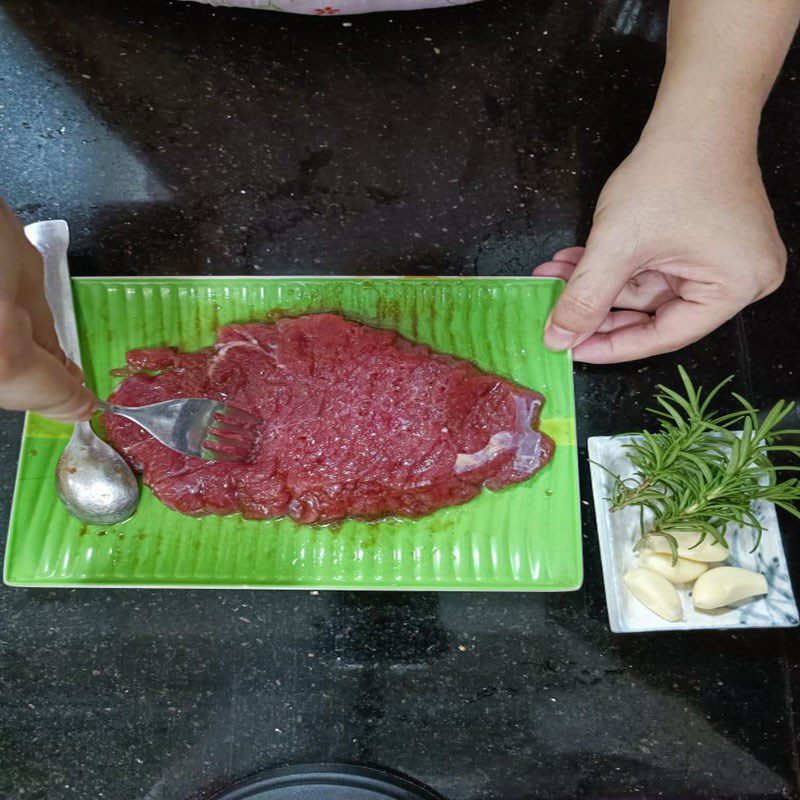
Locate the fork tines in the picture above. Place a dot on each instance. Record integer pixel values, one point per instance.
(232, 436)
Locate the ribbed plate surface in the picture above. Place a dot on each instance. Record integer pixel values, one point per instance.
(526, 537)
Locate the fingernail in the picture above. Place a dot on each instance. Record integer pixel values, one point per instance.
(558, 338)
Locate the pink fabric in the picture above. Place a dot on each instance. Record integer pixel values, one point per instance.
(324, 8)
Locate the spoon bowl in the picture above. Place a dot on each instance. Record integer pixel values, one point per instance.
(94, 482)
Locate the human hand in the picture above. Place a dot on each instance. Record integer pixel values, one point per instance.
(35, 374)
(683, 239)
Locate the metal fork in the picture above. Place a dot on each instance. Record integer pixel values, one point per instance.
(203, 428)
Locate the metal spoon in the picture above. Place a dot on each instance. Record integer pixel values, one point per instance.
(94, 482)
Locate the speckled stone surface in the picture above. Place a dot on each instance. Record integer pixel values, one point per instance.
(177, 138)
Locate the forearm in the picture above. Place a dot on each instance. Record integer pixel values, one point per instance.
(722, 59)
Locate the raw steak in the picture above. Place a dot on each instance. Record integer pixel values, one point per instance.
(359, 422)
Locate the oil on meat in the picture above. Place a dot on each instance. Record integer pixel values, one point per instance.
(359, 422)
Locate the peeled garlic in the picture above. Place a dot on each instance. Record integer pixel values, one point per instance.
(708, 550)
(685, 571)
(656, 592)
(725, 585)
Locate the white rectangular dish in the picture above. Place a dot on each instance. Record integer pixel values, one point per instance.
(619, 531)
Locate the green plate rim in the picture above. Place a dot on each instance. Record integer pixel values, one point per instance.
(305, 587)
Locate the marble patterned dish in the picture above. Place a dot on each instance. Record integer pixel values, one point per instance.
(618, 532)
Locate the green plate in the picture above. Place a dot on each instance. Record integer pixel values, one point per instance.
(526, 537)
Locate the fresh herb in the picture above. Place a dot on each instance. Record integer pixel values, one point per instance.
(702, 469)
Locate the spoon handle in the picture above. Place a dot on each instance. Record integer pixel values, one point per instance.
(51, 239)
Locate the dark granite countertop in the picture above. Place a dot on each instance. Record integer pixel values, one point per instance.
(176, 138)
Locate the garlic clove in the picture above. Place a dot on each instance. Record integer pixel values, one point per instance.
(655, 592)
(725, 585)
(685, 571)
(708, 550)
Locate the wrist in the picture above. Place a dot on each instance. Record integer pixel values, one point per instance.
(699, 117)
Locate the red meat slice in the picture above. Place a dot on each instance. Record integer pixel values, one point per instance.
(359, 422)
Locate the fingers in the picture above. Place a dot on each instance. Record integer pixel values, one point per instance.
(35, 374)
(46, 387)
(589, 295)
(554, 269)
(623, 319)
(571, 255)
(32, 378)
(75, 404)
(561, 265)
(644, 291)
(676, 324)
(73, 369)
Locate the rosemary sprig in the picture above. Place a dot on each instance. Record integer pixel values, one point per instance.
(702, 469)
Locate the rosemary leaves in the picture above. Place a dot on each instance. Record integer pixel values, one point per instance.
(703, 469)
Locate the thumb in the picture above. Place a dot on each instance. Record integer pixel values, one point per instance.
(588, 296)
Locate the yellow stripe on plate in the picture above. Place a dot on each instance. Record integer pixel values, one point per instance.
(560, 430)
